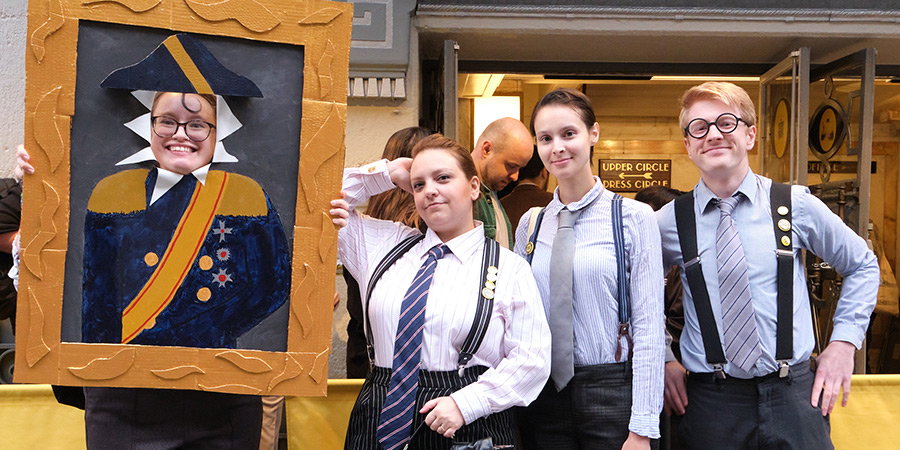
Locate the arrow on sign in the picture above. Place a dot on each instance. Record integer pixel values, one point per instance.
(647, 175)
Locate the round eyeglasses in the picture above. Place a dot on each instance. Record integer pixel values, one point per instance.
(726, 123)
(196, 130)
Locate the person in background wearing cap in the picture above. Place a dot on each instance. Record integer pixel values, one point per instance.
(740, 392)
(178, 255)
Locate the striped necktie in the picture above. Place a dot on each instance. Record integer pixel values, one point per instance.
(395, 423)
(742, 347)
(562, 358)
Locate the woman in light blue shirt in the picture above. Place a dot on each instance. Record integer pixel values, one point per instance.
(606, 382)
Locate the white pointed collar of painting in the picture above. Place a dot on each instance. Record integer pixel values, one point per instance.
(226, 123)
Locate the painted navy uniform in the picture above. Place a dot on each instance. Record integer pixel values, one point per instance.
(198, 267)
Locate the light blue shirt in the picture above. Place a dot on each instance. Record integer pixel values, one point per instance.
(814, 228)
(596, 318)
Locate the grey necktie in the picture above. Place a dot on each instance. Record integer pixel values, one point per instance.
(742, 346)
(562, 366)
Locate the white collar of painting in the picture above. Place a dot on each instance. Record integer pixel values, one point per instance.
(226, 123)
(165, 180)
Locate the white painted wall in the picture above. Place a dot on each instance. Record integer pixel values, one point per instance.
(369, 127)
(13, 25)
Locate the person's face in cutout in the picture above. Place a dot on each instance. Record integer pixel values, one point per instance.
(178, 153)
(442, 192)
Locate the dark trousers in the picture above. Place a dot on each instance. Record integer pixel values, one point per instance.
(761, 413)
(367, 410)
(157, 419)
(592, 412)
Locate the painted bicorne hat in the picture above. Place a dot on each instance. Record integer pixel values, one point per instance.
(181, 63)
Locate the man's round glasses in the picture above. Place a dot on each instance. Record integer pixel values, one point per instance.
(726, 123)
(196, 130)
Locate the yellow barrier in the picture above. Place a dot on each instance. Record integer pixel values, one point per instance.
(31, 418)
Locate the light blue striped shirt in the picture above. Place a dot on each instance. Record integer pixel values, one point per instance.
(595, 287)
(814, 228)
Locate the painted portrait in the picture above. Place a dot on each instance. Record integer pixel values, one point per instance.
(175, 232)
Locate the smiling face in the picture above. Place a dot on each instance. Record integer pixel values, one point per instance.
(564, 142)
(719, 155)
(178, 153)
(443, 193)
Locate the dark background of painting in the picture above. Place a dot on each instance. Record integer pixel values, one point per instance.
(267, 145)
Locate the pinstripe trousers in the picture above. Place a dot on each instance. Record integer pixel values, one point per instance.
(366, 412)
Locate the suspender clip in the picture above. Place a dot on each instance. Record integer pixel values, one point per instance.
(370, 351)
(464, 359)
(784, 369)
(718, 372)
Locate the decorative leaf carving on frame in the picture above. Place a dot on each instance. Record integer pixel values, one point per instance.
(31, 252)
(232, 389)
(320, 367)
(137, 6)
(248, 364)
(292, 369)
(321, 17)
(106, 368)
(249, 13)
(302, 298)
(327, 238)
(54, 22)
(47, 126)
(327, 146)
(326, 71)
(37, 348)
(177, 373)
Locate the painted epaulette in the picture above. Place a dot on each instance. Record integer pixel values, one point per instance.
(120, 193)
(242, 196)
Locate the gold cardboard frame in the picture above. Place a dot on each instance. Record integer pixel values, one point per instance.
(323, 29)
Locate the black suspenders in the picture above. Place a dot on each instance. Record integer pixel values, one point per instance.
(485, 307)
(623, 293)
(685, 222)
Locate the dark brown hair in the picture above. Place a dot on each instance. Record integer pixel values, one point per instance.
(397, 204)
(208, 97)
(576, 100)
(571, 98)
(657, 196)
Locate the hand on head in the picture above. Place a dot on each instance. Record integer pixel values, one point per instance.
(398, 169)
(340, 211)
(23, 164)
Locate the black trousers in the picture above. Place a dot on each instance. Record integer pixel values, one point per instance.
(367, 410)
(592, 412)
(761, 413)
(157, 419)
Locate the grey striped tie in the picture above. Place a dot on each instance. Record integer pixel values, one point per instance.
(562, 360)
(742, 346)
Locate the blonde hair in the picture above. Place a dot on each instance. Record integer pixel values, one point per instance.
(727, 93)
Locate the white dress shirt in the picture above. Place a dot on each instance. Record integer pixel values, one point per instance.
(595, 305)
(516, 348)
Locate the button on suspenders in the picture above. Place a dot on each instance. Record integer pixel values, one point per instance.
(685, 222)
(623, 293)
(485, 306)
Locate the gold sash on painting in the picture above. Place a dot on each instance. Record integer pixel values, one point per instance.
(176, 262)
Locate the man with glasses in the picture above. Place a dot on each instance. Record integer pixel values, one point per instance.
(749, 382)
